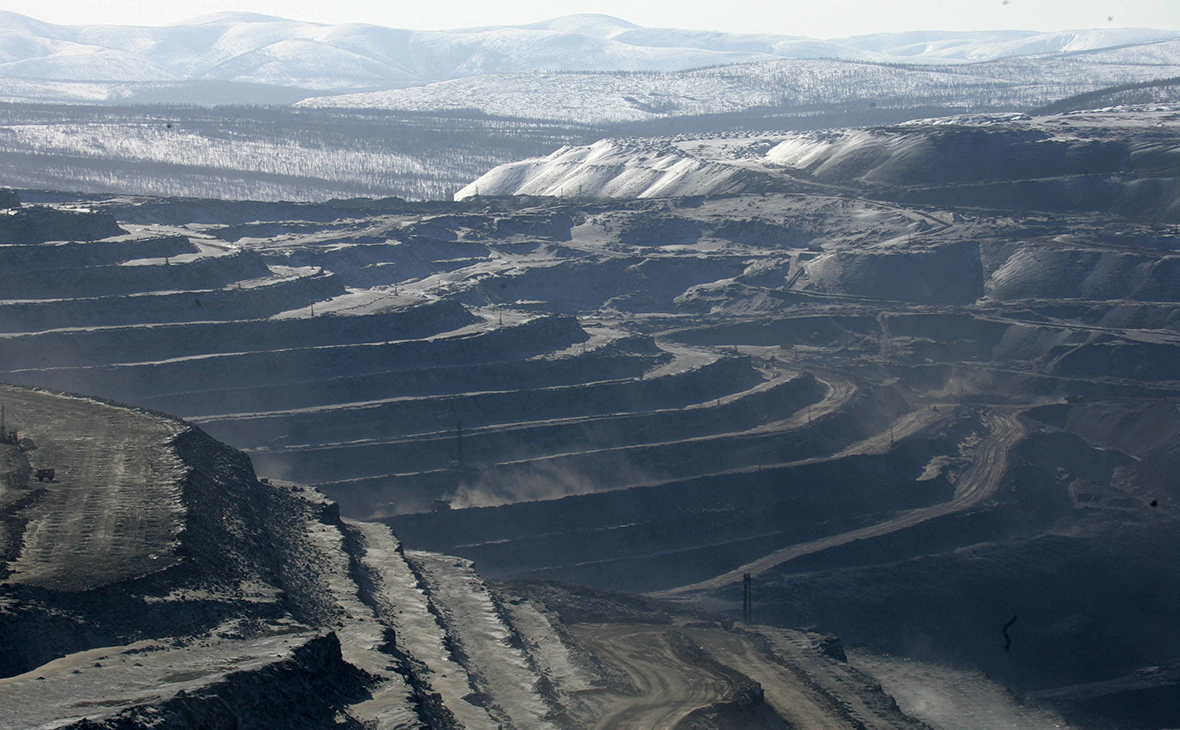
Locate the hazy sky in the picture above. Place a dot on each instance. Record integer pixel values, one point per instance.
(815, 18)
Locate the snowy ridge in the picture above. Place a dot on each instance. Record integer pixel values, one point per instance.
(609, 168)
(993, 45)
(263, 49)
(259, 49)
(722, 164)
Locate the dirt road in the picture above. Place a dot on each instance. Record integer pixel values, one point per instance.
(666, 686)
(809, 691)
(837, 395)
(783, 688)
(976, 484)
(113, 510)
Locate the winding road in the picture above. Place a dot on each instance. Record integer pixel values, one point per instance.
(979, 482)
(666, 686)
(808, 690)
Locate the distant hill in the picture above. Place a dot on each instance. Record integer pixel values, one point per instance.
(797, 87)
(1162, 91)
(200, 57)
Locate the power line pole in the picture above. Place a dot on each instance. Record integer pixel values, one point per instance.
(747, 600)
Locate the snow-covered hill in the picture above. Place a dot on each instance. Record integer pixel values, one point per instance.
(994, 45)
(258, 49)
(917, 159)
(795, 86)
(253, 48)
(260, 152)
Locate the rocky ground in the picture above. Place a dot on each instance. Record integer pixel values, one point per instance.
(261, 606)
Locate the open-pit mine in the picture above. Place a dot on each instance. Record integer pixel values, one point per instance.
(916, 388)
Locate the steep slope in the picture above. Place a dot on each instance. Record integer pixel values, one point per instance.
(229, 601)
(148, 529)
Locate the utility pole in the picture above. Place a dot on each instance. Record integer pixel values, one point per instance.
(747, 600)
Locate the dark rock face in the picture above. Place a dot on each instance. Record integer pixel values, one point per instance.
(69, 621)
(37, 224)
(748, 709)
(1149, 697)
(944, 591)
(943, 275)
(308, 690)
(232, 554)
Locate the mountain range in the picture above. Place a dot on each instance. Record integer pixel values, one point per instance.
(111, 63)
